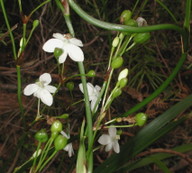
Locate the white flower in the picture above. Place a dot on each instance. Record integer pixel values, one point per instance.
(41, 89)
(70, 46)
(111, 140)
(93, 93)
(141, 21)
(68, 147)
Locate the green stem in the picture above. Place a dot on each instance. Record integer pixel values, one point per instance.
(35, 159)
(9, 29)
(19, 92)
(88, 117)
(118, 27)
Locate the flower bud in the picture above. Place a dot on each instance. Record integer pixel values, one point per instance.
(123, 82)
(115, 42)
(41, 136)
(58, 52)
(117, 62)
(141, 119)
(91, 73)
(70, 86)
(117, 93)
(56, 126)
(123, 74)
(141, 21)
(35, 23)
(125, 15)
(141, 37)
(60, 142)
(131, 22)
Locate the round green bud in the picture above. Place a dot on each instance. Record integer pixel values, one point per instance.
(125, 15)
(91, 73)
(70, 86)
(123, 82)
(117, 93)
(35, 23)
(141, 119)
(131, 22)
(56, 126)
(115, 42)
(141, 37)
(117, 62)
(41, 136)
(60, 142)
(58, 52)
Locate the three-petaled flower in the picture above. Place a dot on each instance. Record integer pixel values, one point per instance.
(41, 89)
(93, 93)
(111, 140)
(68, 147)
(70, 46)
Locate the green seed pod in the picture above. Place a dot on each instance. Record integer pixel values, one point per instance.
(141, 119)
(125, 15)
(56, 126)
(41, 136)
(123, 82)
(131, 22)
(60, 142)
(117, 93)
(35, 23)
(115, 42)
(54, 135)
(117, 62)
(91, 73)
(58, 52)
(141, 37)
(70, 86)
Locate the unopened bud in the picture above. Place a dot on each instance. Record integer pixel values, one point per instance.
(123, 74)
(115, 42)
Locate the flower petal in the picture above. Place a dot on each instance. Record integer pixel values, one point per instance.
(51, 44)
(116, 147)
(76, 42)
(98, 88)
(59, 36)
(64, 134)
(81, 87)
(90, 89)
(45, 78)
(69, 148)
(74, 52)
(50, 88)
(30, 89)
(63, 57)
(112, 132)
(46, 97)
(108, 147)
(104, 139)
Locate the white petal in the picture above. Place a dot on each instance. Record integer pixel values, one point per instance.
(69, 148)
(63, 57)
(76, 42)
(46, 97)
(104, 139)
(116, 147)
(51, 44)
(141, 21)
(59, 36)
(81, 87)
(50, 88)
(93, 104)
(65, 135)
(112, 132)
(45, 78)
(90, 89)
(30, 89)
(108, 147)
(98, 88)
(74, 52)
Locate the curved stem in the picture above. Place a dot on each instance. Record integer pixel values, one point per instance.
(118, 27)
